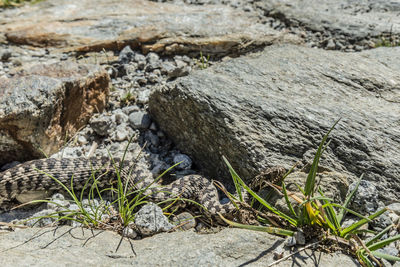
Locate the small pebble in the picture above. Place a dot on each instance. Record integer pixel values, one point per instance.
(300, 238)
(153, 138)
(330, 45)
(129, 232)
(57, 204)
(279, 253)
(139, 120)
(140, 58)
(290, 241)
(82, 140)
(126, 55)
(102, 125)
(153, 126)
(185, 220)
(152, 78)
(5, 56)
(121, 133)
(395, 207)
(186, 161)
(143, 97)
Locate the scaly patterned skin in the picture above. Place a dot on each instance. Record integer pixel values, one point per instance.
(30, 177)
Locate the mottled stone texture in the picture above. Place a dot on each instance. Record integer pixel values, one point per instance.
(43, 105)
(357, 19)
(273, 107)
(164, 28)
(230, 247)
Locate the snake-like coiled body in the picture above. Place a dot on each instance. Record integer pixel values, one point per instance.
(35, 175)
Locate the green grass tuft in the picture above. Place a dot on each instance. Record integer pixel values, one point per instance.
(115, 214)
(387, 42)
(203, 62)
(16, 3)
(317, 211)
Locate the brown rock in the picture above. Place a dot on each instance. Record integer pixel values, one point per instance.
(43, 105)
(160, 27)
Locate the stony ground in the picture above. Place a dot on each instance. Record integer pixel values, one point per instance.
(272, 57)
(230, 247)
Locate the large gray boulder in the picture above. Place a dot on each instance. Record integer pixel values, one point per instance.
(273, 107)
(42, 106)
(356, 19)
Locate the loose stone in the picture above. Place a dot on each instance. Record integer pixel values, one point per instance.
(139, 120)
(150, 220)
(185, 220)
(126, 55)
(186, 162)
(6, 55)
(143, 97)
(101, 125)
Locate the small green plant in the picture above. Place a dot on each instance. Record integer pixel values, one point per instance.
(203, 62)
(316, 211)
(128, 97)
(387, 42)
(9, 3)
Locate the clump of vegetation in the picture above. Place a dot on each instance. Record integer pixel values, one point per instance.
(128, 98)
(387, 42)
(15, 3)
(203, 62)
(115, 214)
(316, 215)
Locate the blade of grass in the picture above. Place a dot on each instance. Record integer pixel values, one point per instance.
(378, 236)
(331, 214)
(289, 205)
(364, 260)
(310, 200)
(235, 178)
(70, 192)
(346, 203)
(268, 229)
(362, 222)
(385, 256)
(310, 182)
(381, 244)
(349, 211)
(259, 199)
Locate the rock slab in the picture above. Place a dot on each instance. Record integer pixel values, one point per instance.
(165, 28)
(357, 19)
(74, 246)
(273, 108)
(44, 104)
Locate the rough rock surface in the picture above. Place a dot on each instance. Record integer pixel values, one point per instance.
(358, 19)
(60, 30)
(150, 220)
(42, 105)
(273, 107)
(230, 247)
(159, 27)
